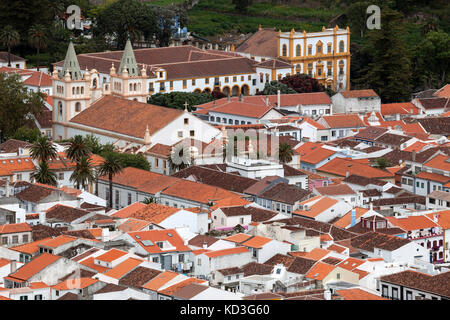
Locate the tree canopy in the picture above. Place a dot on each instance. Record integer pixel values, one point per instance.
(176, 100)
(17, 105)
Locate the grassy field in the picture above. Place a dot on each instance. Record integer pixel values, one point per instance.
(212, 17)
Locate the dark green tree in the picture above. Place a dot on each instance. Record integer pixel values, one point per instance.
(84, 173)
(78, 149)
(110, 167)
(285, 153)
(388, 72)
(26, 134)
(44, 175)
(302, 83)
(357, 16)
(43, 150)
(273, 86)
(432, 60)
(381, 163)
(177, 99)
(38, 39)
(9, 37)
(241, 6)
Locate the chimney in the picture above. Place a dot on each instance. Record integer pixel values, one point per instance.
(353, 218)
(42, 217)
(347, 173)
(105, 234)
(205, 245)
(13, 266)
(327, 294)
(371, 206)
(267, 100)
(279, 98)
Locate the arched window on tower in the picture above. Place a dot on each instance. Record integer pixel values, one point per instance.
(73, 90)
(77, 107)
(78, 90)
(341, 46)
(94, 83)
(284, 54)
(131, 87)
(135, 87)
(82, 90)
(60, 108)
(298, 51)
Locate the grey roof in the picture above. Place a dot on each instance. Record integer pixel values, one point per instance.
(71, 64)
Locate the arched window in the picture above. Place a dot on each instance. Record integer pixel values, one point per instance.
(82, 90)
(217, 119)
(261, 78)
(298, 51)
(298, 68)
(319, 47)
(131, 87)
(267, 77)
(284, 50)
(135, 87)
(77, 107)
(78, 90)
(94, 83)
(341, 46)
(73, 90)
(60, 108)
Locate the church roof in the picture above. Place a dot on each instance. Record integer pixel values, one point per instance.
(128, 61)
(109, 113)
(71, 64)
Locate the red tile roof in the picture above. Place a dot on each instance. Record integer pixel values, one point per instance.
(439, 162)
(398, 108)
(339, 167)
(129, 210)
(34, 266)
(317, 208)
(123, 268)
(319, 271)
(344, 121)
(358, 294)
(15, 228)
(70, 284)
(359, 93)
(226, 252)
(154, 236)
(111, 255)
(412, 223)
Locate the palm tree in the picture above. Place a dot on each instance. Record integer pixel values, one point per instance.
(43, 150)
(110, 167)
(83, 173)
(285, 153)
(184, 163)
(9, 38)
(38, 39)
(78, 149)
(44, 175)
(148, 200)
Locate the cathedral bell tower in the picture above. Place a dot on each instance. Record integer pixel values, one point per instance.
(71, 92)
(129, 82)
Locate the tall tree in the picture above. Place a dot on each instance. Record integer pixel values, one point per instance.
(38, 39)
(43, 174)
(432, 60)
(241, 6)
(302, 83)
(43, 150)
(17, 105)
(9, 37)
(285, 153)
(78, 149)
(84, 173)
(389, 70)
(110, 167)
(357, 16)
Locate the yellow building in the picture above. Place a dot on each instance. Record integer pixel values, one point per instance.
(324, 55)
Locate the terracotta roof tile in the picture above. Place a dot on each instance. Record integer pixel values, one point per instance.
(138, 277)
(160, 280)
(359, 93)
(154, 236)
(90, 263)
(15, 228)
(58, 241)
(123, 268)
(339, 167)
(111, 255)
(319, 271)
(70, 284)
(317, 254)
(344, 121)
(34, 266)
(358, 294)
(225, 252)
(398, 108)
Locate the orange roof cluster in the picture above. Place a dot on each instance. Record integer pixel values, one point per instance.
(160, 280)
(413, 222)
(226, 252)
(317, 155)
(154, 212)
(319, 271)
(317, 254)
(15, 228)
(129, 210)
(4, 262)
(345, 220)
(248, 240)
(233, 201)
(174, 288)
(30, 248)
(111, 255)
(358, 294)
(20, 164)
(337, 248)
(340, 167)
(433, 177)
(148, 240)
(58, 241)
(90, 263)
(78, 283)
(416, 146)
(351, 263)
(34, 266)
(316, 208)
(315, 124)
(398, 108)
(123, 268)
(344, 121)
(132, 225)
(439, 162)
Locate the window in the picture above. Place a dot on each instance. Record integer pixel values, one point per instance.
(181, 257)
(155, 259)
(186, 121)
(117, 199)
(341, 46)
(384, 290)
(284, 54)
(241, 221)
(129, 198)
(408, 295)
(15, 239)
(5, 240)
(329, 48)
(184, 84)
(193, 82)
(395, 293)
(192, 133)
(234, 78)
(23, 297)
(57, 293)
(338, 276)
(309, 50)
(298, 51)
(38, 297)
(199, 262)
(180, 134)
(61, 176)
(25, 238)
